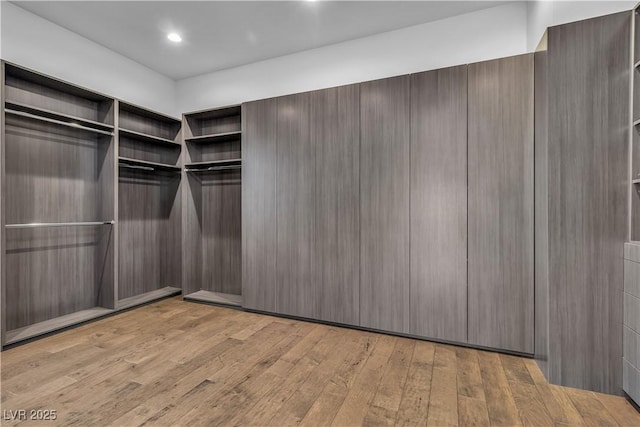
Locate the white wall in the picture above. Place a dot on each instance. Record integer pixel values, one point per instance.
(33, 42)
(543, 14)
(486, 34)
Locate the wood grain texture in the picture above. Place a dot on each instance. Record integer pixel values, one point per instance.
(149, 225)
(147, 122)
(221, 232)
(3, 260)
(384, 204)
(438, 259)
(42, 92)
(335, 134)
(296, 291)
(588, 167)
(174, 362)
(259, 238)
(541, 214)
(57, 175)
(501, 203)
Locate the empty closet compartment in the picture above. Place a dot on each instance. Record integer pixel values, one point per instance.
(212, 215)
(149, 206)
(213, 135)
(59, 170)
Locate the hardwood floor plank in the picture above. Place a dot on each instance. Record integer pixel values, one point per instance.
(469, 378)
(356, 404)
(443, 400)
(620, 409)
(414, 406)
(515, 369)
(386, 400)
(591, 409)
(500, 403)
(558, 404)
(472, 412)
(531, 407)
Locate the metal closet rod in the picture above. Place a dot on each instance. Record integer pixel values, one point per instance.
(212, 168)
(60, 224)
(144, 168)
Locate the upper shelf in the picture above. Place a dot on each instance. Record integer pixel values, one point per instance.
(61, 117)
(216, 137)
(146, 137)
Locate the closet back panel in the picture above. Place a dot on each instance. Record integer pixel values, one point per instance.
(138, 121)
(54, 174)
(221, 231)
(42, 92)
(149, 213)
(148, 151)
(55, 271)
(224, 150)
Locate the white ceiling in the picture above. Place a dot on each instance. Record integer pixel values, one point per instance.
(224, 34)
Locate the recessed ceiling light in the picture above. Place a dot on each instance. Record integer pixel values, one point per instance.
(174, 37)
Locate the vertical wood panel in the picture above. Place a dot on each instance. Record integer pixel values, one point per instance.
(335, 134)
(296, 182)
(588, 175)
(439, 204)
(384, 204)
(259, 239)
(501, 203)
(541, 226)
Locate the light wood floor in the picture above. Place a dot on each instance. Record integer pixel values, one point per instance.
(180, 363)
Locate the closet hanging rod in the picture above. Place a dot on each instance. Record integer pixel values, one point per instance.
(144, 168)
(213, 168)
(56, 122)
(60, 224)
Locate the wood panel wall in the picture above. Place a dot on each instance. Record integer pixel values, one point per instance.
(588, 101)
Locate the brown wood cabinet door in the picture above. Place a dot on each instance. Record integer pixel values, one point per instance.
(439, 204)
(296, 290)
(500, 155)
(259, 121)
(335, 134)
(384, 204)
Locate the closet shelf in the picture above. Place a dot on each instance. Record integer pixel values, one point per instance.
(217, 165)
(636, 122)
(215, 298)
(146, 137)
(51, 325)
(37, 111)
(636, 181)
(149, 296)
(636, 65)
(71, 125)
(145, 165)
(216, 137)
